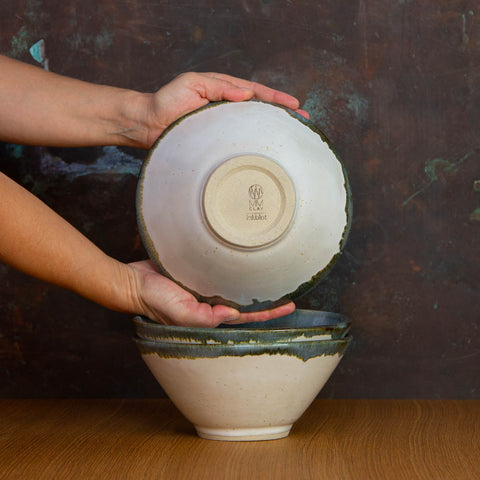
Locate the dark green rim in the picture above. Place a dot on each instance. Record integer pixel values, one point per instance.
(307, 323)
(302, 350)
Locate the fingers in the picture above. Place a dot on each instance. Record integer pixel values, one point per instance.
(303, 113)
(214, 87)
(202, 315)
(164, 301)
(258, 91)
(210, 317)
(265, 314)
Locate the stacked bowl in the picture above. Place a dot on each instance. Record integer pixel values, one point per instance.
(244, 204)
(249, 382)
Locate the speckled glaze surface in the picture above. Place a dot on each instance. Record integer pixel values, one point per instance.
(290, 178)
(300, 325)
(243, 392)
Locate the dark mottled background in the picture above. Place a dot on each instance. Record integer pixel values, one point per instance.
(394, 84)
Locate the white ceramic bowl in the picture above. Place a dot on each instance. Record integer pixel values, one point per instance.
(300, 325)
(242, 391)
(244, 204)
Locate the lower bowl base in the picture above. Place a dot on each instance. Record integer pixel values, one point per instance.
(244, 434)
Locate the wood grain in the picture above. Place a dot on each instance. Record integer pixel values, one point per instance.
(149, 439)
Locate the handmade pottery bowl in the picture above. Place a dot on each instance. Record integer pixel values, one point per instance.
(243, 391)
(244, 204)
(300, 325)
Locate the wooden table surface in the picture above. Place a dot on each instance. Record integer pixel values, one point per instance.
(149, 439)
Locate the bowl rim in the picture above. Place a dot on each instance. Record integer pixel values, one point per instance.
(301, 350)
(342, 323)
(254, 306)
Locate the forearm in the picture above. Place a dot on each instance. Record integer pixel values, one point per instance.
(42, 108)
(37, 241)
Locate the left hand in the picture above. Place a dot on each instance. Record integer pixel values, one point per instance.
(164, 301)
(190, 91)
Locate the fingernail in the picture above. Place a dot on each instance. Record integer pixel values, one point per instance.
(248, 91)
(235, 315)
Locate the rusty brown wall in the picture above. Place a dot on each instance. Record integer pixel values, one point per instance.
(396, 87)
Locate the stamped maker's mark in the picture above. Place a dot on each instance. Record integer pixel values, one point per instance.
(256, 203)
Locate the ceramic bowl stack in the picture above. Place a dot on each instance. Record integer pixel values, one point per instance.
(244, 204)
(251, 382)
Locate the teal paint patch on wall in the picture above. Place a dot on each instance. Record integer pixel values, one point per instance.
(475, 215)
(14, 151)
(34, 17)
(323, 104)
(20, 42)
(437, 169)
(97, 45)
(103, 41)
(37, 51)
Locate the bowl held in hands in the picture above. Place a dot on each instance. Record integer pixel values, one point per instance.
(244, 204)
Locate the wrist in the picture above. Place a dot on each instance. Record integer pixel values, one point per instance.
(110, 283)
(130, 125)
(123, 295)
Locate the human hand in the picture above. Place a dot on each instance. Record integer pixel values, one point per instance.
(191, 91)
(164, 301)
(158, 297)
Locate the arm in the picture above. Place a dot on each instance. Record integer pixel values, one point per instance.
(37, 241)
(39, 107)
(43, 108)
